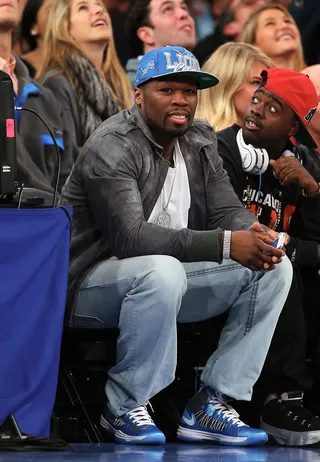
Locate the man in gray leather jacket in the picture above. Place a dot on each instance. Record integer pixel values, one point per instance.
(158, 235)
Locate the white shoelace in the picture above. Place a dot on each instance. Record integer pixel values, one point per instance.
(140, 416)
(228, 412)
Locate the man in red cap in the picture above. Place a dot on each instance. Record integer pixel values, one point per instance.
(274, 171)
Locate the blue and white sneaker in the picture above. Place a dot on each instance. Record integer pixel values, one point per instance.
(208, 417)
(134, 427)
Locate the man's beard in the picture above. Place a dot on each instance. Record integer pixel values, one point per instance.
(8, 24)
(177, 132)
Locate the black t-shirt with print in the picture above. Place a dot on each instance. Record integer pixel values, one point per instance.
(280, 207)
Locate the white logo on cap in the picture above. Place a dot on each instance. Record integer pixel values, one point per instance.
(309, 116)
(185, 62)
(148, 67)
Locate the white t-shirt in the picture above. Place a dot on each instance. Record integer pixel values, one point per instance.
(175, 194)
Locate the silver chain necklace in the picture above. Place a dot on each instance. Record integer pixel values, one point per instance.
(163, 218)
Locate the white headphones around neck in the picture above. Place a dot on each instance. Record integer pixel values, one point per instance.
(255, 160)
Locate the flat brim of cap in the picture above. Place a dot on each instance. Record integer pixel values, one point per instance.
(202, 79)
(304, 137)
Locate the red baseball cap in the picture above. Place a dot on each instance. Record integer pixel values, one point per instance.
(298, 92)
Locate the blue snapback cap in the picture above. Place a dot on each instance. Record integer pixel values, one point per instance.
(164, 61)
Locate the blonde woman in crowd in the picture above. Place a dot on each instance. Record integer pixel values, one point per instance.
(81, 66)
(238, 66)
(273, 30)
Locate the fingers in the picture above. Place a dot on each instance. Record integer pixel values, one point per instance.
(288, 176)
(267, 237)
(289, 170)
(283, 172)
(273, 253)
(258, 265)
(255, 266)
(277, 260)
(272, 233)
(264, 257)
(284, 163)
(263, 262)
(264, 234)
(257, 227)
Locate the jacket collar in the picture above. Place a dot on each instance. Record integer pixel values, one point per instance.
(144, 127)
(21, 70)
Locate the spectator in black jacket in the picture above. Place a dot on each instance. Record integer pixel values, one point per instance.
(282, 192)
(290, 193)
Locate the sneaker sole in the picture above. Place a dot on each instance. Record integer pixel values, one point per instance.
(291, 438)
(187, 434)
(121, 437)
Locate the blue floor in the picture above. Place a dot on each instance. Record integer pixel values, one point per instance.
(170, 452)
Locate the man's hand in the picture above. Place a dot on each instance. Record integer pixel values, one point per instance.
(248, 249)
(289, 170)
(267, 235)
(263, 233)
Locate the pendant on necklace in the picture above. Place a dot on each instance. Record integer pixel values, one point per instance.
(163, 219)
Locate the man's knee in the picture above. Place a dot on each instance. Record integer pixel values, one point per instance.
(279, 283)
(168, 275)
(284, 272)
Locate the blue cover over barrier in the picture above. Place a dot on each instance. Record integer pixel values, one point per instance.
(34, 258)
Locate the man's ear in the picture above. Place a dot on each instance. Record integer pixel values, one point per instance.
(145, 34)
(232, 29)
(296, 125)
(137, 96)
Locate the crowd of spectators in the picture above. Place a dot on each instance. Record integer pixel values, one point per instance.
(170, 223)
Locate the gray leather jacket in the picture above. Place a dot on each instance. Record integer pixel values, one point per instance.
(117, 180)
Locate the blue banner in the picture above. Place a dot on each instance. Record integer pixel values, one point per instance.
(34, 259)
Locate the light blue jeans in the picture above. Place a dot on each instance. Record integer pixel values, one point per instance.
(145, 296)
